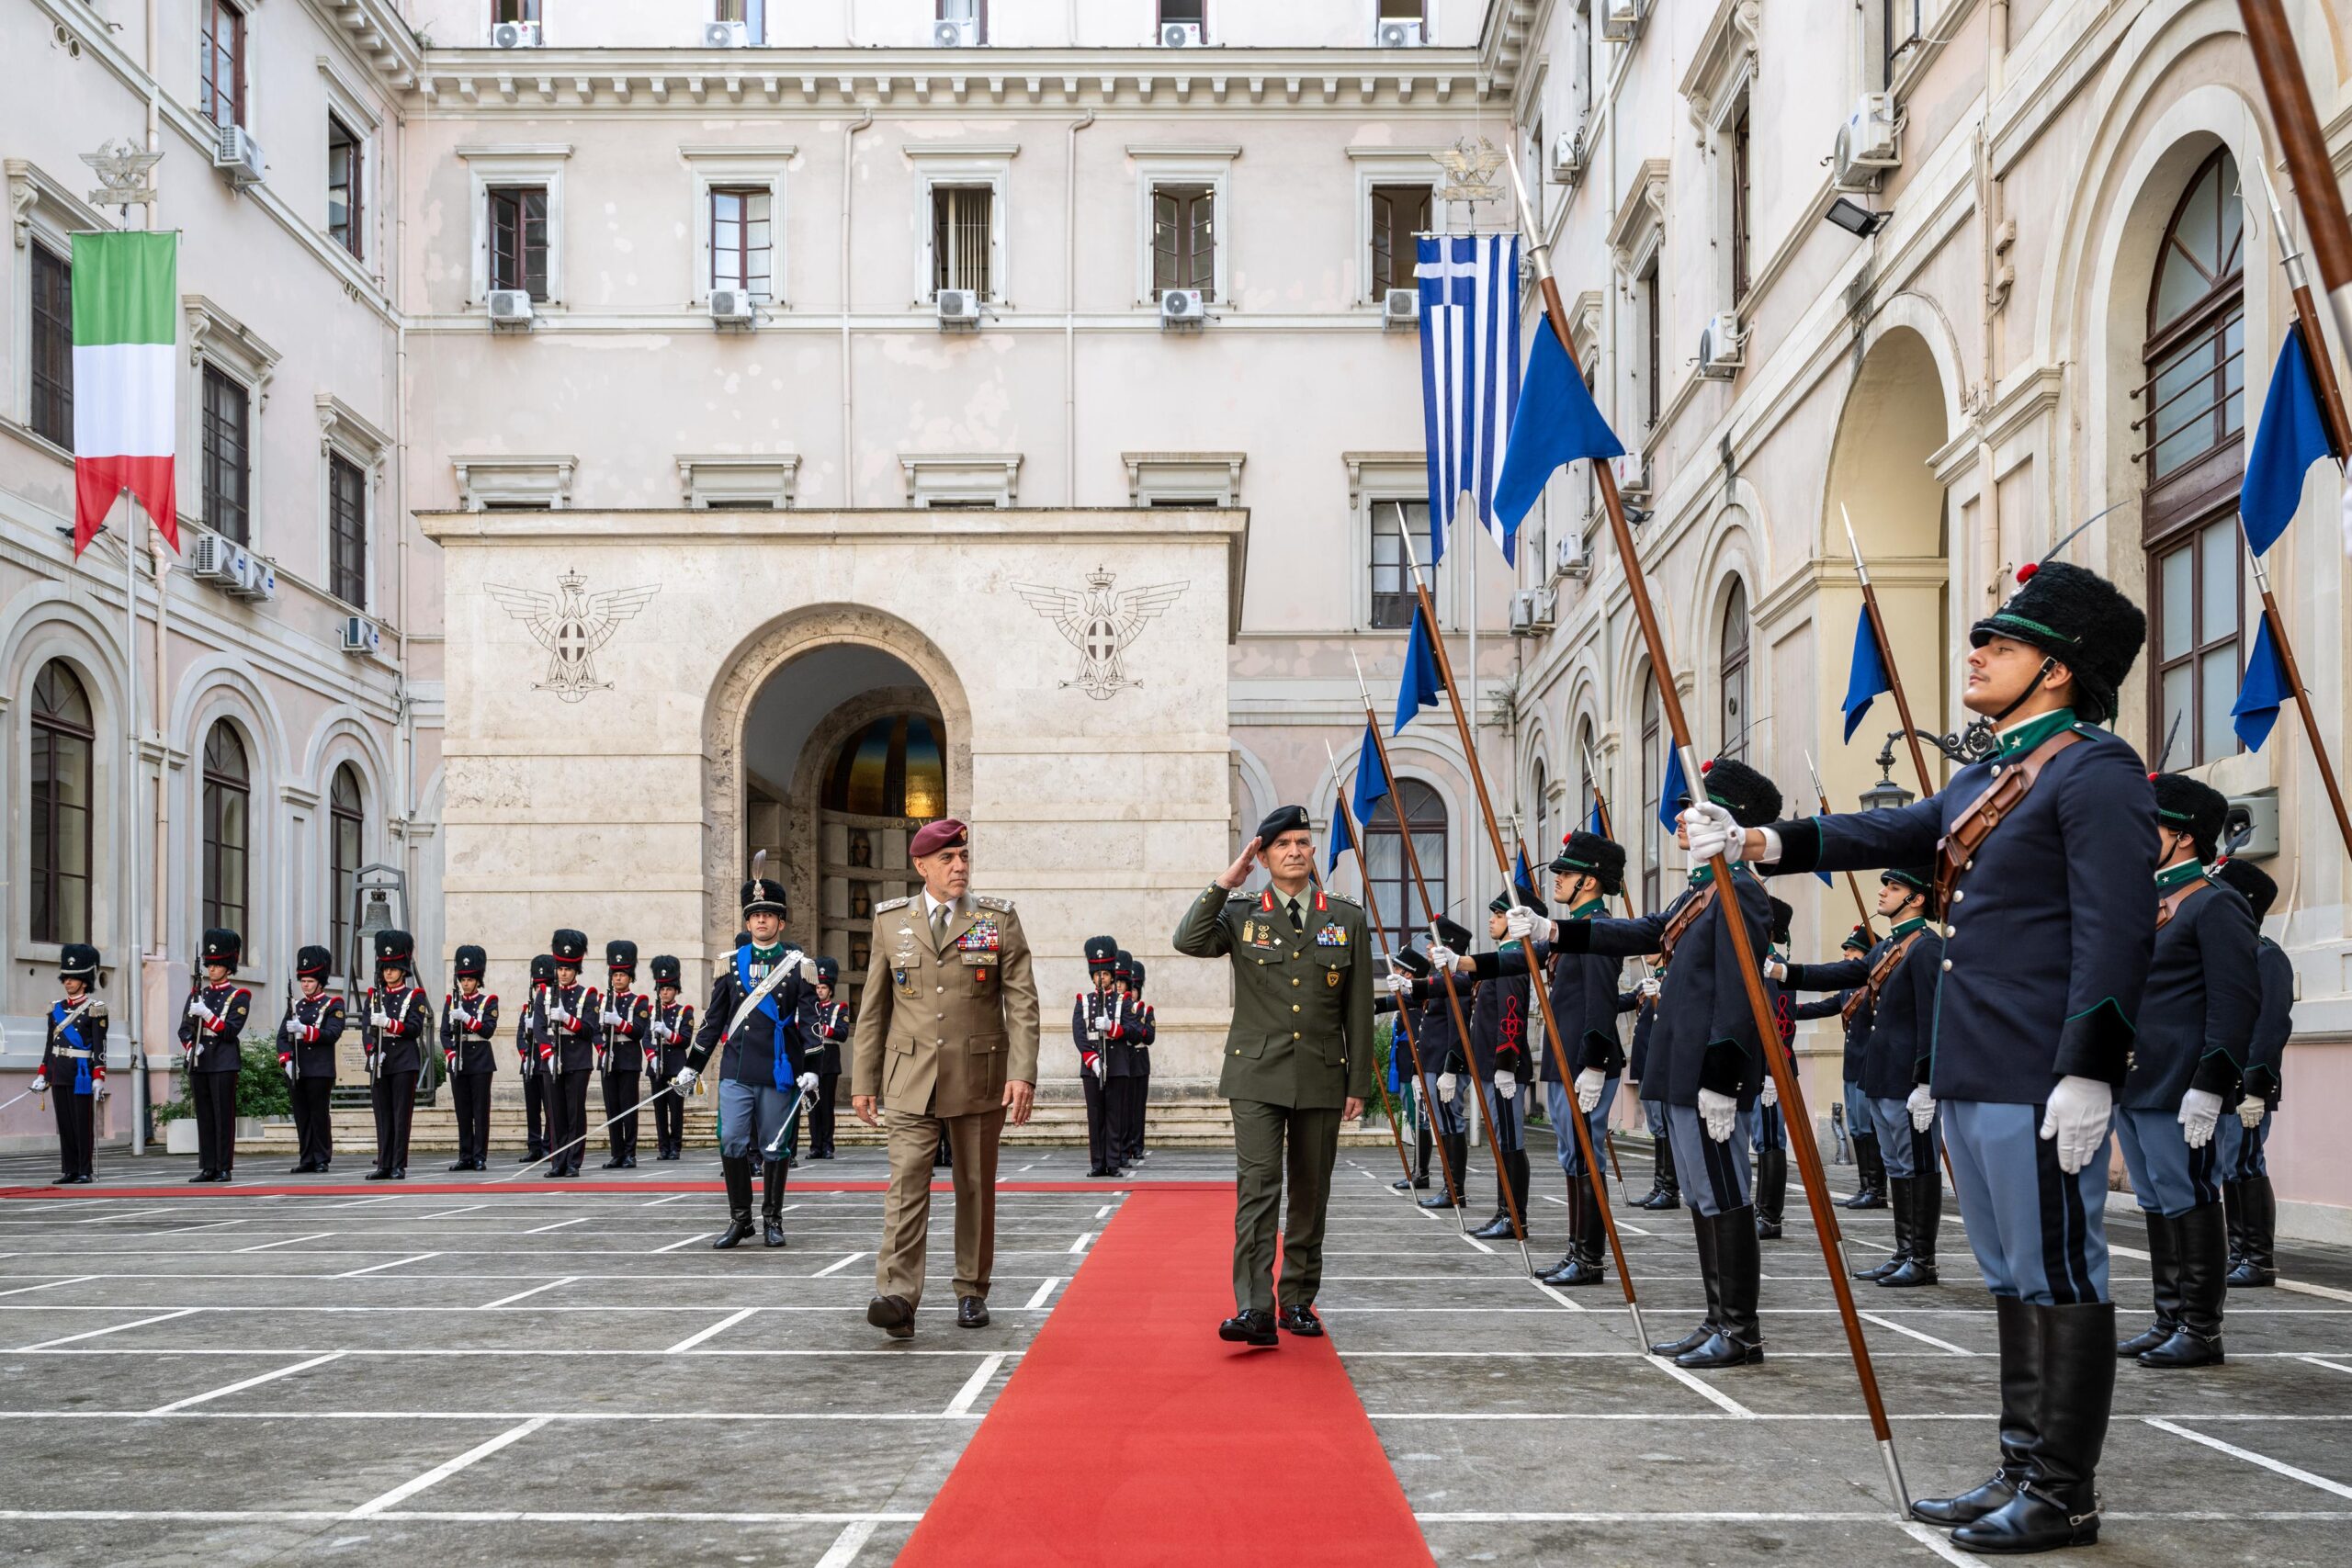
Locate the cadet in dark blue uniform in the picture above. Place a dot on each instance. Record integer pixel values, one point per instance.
(1093, 1016)
(1142, 1031)
(830, 1033)
(1666, 1184)
(1498, 983)
(2046, 852)
(1404, 1083)
(1443, 1059)
(306, 1047)
(1709, 1067)
(626, 1020)
(1854, 1018)
(1125, 1084)
(1770, 1138)
(673, 1031)
(210, 1028)
(73, 1063)
(397, 1033)
(2246, 1176)
(469, 1052)
(567, 1028)
(538, 1081)
(2204, 994)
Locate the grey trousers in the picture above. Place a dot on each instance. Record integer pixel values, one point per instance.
(1272, 1142)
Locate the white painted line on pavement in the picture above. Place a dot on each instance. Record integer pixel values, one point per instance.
(509, 1300)
(1937, 1542)
(442, 1472)
(721, 1326)
(1928, 1339)
(2314, 1360)
(1555, 1295)
(1080, 1245)
(2277, 1467)
(119, 1214)
(968, 1396)
(1476, 1242)
(671, 1199)
(848, 1544)
(837, 1266)
(1105, 1212)
(2328, 1291)
(699, 1235)
(27, 1289)
(1700, 1386)
(249, 1383)
(377, 1268)
(542, 1230)
(94, 1333)
(452, 1214)
(1045, 1289)
(290, 1241)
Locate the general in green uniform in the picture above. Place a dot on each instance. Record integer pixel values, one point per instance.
(1298, 1061)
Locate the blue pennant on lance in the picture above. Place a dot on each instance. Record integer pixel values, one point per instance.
(2291, 437)
(2266, 689)
(1669, 799)
(1868, 678)
(1469, 288)
(1371, 784)
(1418, 688)
(1554, 424)
(1592, 820)
(1341, 838)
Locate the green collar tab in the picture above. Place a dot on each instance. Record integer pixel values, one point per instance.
(2174, 876)
(1905, 928)
(1591, 908)
(767, 954)
(2034, 731)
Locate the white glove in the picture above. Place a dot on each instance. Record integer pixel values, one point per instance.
(1775, 970)
(1711, 830)
(558, 1015)
(807, 969)
(1441, 958)
(1445, 1085)
(1520, 924)
(2251, 1110)
(40, 1084)
(1095, 1067)
(1649, 989)
(102, 1089)
(2076, 1120)
(611, 1018)
(661, 1030)
(378, 1020)
(1399, 985)
(2199, 1110)
(808, 1082)
(1718, 1111)
(1771, 1091)
(1922, 1106)
(685, 1080)
(1589, 1083)
(196, 1008)
(1506, 1085)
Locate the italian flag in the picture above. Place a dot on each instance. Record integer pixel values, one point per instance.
(126, 288)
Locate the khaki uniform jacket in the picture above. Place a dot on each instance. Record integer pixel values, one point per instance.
(1302, 1004)
(941, 1031)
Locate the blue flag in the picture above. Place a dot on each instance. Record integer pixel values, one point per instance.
(1341, 838)
(1868, 677)
(1371, 784)
(1592, 820)
(1417, 690)
(1522, 878)
(1555, 424)
(2266, 688)
(1669, 799)
(2292, 437)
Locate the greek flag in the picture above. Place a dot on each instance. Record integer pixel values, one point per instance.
(1470, 363)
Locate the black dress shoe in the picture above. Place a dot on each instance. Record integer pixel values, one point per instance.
(378, 1174)
(302, 1170)
(1249, 1328)
(1301, 1321)
(400, 1173)
(461, 1164)
(1720, 1350)
(629, 1164)
(527, 1156)
(894, 1315)
(1497, 1229)
(971, 1312)
(616, 1163)
(1411, 1184)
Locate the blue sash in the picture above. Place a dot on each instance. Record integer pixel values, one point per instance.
(780, 1069)
(72, 1035)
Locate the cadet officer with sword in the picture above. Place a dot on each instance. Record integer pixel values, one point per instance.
(73, 1063)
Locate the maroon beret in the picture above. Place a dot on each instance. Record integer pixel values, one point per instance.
(932, 837)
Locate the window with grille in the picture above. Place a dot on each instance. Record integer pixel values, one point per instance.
(347, 531)
(741, 239)
(962, 238)
(1653, 338)
(1588, 786)
(228, 797)
(1654, 744)
(228, 441)
(52, 347)
(347, 825)
(58, 806)
(1400, 214)
(1383, 854)
(1733, 675)
(1392, 575)
(1183, 239)
(1400, 10)
(518, 238)
(346, 157)
(2193, 457)
(221, 63)
(1539, 784)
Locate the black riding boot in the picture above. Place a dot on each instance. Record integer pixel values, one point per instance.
(772, 1202)
(2202, 1267)
(1870, 1175)
(1454, 1149)
(2058, 1505)
(1738, 1339)
(1561, 1270)
(2233, 1205)
(1512, 1165)
(1900, 1207)
(1666, 1192)
(1926, 1206)
(2163, 1271)
(1706, 1230)
(1583, 1265)
(1419, 1180)
(2257, 1266)
(737, 1171)
(2020, 1330)
(1771, 1193)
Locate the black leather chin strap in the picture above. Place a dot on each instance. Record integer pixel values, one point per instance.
(2030, 687)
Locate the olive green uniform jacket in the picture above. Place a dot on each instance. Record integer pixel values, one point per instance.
(1301, 1001)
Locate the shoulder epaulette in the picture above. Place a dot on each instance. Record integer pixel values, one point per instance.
(884, 909)
(1341, 898)
(1241, 895)
(1003, 904)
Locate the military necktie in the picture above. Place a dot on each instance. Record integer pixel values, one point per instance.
(939, 926)
(1296, 923)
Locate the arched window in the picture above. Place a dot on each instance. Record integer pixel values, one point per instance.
(228, 822)
(346, 824)
(893, 767)
(1739, 717)
(58, 806)
(1541, 847)
(1384, 850)
(1653, 782)
(2194, 457)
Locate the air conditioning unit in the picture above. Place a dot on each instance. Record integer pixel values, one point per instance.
(734, 308)
(959, 308)
(1401, 308)
(509, 306)
(211, 559)
(1400, 35)
(1633, 471)
(256, 578)
(1870, 138)
(1570, 559)
(1719, 342)
(956, 32)
(1568, 157)
(1181, 35)
(1530, 612)
(515, 35)
(1183, 308)
(1621, 20)
(726, 34)
(361, 636)
(238, 155)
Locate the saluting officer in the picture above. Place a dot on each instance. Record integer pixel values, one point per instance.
(2047, 850)
(210, 1032)
(469, 1052)
(627, 1023)
(2245, 1174)
(1298, 1061)
(73, 1063)
(537, 1080)
(306, 1049)
(1093, 1017)
(567, 1029)
(831, 1032)
(674, 1032)
(2196, 1020)
(400, 1025)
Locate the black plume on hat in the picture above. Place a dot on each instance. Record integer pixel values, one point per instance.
(2078, 618)
(829, 970)
(313, 963)
(765, 895)
(471, 961)
(1454, 934)
(1283, 819)
(1753, 800)
(569, 947)
(2251, 880)
(1413, 961)
(621, 955)
(1102, 952)
(1502, 902)
(1588, 853)
(394, 949)
(222, 945)
(1782, 916)
(2192, 806)
(665, 970)
(543, 970)
(79, 961)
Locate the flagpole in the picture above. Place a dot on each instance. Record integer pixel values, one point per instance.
(2305, 146)
(2331, 398)
(1768, 1033)
(1887, 656)
(1445, 979)
(1823, 795)
(140, 1095)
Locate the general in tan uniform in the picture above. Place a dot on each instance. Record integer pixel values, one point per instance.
(1298, 1062)
(946, 1044)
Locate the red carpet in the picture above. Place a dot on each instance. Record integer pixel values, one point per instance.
(1131, 1435)
(540, 1187)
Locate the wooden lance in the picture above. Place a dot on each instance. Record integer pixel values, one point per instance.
(1886, 656)
(1822, 796)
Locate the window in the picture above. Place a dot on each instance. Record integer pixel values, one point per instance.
(519, 10)
(1742, 208)
(1400, 10)
(228, 794)
(963, 221)
(228, 477)
(1193, 11)
(2194, 428)
(221, 63)
(58, 806)
(1737, 716)
(1588, 786)
(1539, 781)
(1654, 743)
(973, 14)
(741, 239)
(1392, 578)
(347, 155)
(346, 821)
(753, 14)
(1183, 239)
(347, 531)
(1898, 31)
(1384, 854)
(52, 355)
(1400, 214)
(518, 238)
(1653, 362)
